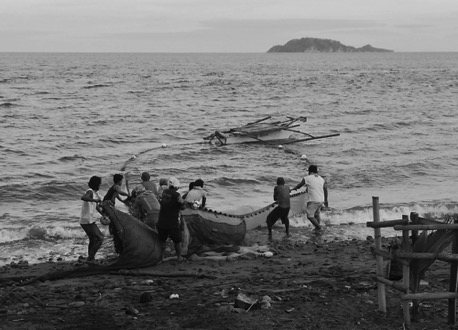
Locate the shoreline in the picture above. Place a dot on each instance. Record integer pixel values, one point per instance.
(322, 284)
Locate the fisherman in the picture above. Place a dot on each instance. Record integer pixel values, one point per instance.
(281, 196)
(115, 190)
(190, 187)
(145, 206)
(169, 221)
(87, 219)
(149, 185)
(318, 195)
(163, 184)
(197, 196)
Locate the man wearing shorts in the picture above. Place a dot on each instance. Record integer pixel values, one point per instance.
(318, 195)
(168, 224)
(281, 196)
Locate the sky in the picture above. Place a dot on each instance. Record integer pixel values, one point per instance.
(224, 26)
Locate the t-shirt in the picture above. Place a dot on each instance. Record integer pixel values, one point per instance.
(88, 209)
(171, 204)
(281, 195)
(195, 194)
(315, 184)
(150, 185)
(147, 202)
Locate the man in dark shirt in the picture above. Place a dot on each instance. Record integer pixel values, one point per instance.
(281, 196)
(168, 224)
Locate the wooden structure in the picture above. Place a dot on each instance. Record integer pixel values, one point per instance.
(415, 260)
(265, 131)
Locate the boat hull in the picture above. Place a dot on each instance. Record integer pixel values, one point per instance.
(278, 136)
(209, 227)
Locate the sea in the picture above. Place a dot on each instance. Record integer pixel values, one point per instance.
(65, 117)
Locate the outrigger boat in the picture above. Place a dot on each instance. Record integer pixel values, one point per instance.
(262, 130)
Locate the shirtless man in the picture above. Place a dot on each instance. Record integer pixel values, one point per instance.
(115, 190)
(281, 195)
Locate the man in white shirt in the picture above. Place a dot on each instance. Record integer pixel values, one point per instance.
(318, 195)
(197, 194)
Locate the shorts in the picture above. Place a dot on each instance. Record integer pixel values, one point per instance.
(278, 213)
(313, 208)
(173, 233)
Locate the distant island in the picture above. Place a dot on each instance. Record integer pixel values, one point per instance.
(315, 45)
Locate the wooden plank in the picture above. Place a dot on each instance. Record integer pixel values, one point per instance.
(430, 296)
(378, 258)
(406, 247)
(388, 223)
(428, 255)
(427, 227)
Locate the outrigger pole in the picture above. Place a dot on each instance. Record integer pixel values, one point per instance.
(311, 138)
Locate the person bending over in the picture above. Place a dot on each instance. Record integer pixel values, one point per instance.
(169, 221)
(318, 195)
(281, 196)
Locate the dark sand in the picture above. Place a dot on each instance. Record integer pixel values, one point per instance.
(311, 285)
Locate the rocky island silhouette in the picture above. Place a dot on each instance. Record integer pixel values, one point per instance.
(316, 45)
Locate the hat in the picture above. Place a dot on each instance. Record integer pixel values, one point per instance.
(173, 182)
(145, 176)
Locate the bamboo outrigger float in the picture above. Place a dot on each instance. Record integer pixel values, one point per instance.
(265, 131)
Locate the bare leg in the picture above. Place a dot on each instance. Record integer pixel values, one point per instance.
(314, 222)
(317, 216)
(178, 251)
(162, 251)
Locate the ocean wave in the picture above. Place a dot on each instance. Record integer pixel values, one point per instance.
(71, 158)
(97, 86)
(8, 105)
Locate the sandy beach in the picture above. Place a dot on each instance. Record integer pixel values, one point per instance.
(316, 284)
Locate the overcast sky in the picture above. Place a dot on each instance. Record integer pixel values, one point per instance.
(224, 25)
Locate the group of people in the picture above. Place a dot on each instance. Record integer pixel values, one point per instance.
(158, 207)
(317, 198)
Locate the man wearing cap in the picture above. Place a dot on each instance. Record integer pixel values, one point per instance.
(146, 206)
(169, 222)
(318, 195)
(149, 185)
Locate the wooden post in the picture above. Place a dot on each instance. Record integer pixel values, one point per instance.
(453, 280)
(414, 265)
(414, 220)
(405, 246)
(378, 258)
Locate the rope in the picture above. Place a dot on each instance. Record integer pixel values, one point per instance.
(131, 159)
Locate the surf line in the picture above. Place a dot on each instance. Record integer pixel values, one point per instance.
(132, 158)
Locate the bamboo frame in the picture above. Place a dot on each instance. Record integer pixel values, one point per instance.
(409, 237)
